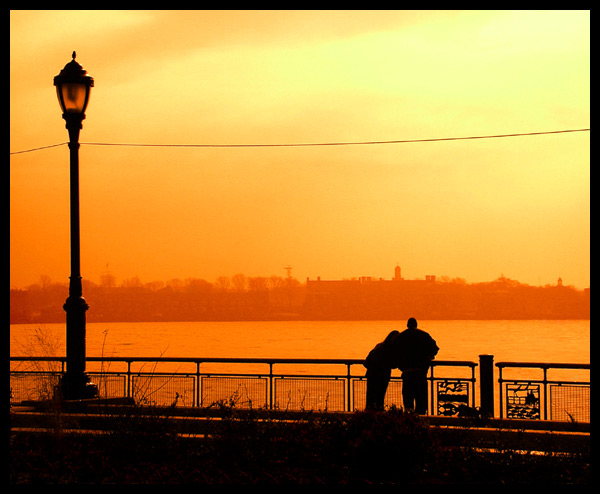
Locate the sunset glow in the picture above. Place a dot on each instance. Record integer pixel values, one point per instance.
(474, 209)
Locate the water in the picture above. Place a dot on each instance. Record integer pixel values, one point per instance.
(521, 341)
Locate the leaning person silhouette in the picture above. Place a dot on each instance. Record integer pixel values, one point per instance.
(379, 364)
(416, 349)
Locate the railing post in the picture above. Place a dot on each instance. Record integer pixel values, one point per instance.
(500, 391)
(473, 381)
(486, 385)
(545, 393)
(430, 405)
(198, 381)
(129, 379)
(349, 388)
(270, 385)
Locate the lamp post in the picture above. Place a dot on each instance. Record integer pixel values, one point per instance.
(73, 90)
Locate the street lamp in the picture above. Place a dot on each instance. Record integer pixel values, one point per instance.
(73, 89)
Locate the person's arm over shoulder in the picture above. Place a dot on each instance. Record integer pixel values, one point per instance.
(434, 347)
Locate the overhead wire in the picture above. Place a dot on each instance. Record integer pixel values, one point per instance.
(39, 149)
(311, 144)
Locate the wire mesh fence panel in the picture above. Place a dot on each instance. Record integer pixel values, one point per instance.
(163, 390)
(33, 386)
(570, 402)
(110, 385)
(309, 394)
(242, 392)
(393, 395)
(359, 394)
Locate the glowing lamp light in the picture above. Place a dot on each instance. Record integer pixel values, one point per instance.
(73, 88)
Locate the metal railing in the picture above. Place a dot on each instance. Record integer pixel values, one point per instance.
(272, 386)
(313, 384)
(544, 398)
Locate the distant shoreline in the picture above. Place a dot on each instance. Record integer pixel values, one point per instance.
(362, 299)
(275, 319)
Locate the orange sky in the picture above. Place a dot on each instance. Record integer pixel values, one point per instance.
(472, 209)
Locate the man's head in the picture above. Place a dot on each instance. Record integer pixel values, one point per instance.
(412, 323)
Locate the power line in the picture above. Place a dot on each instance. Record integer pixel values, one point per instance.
(311, 144)
(359, 143)
(40, 148)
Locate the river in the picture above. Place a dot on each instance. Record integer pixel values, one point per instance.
(512, 340)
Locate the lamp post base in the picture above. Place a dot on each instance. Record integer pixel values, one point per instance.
(77, 387)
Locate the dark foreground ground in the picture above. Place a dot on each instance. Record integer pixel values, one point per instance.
(361, 448)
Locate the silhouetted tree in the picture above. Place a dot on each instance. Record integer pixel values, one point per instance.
(223, 284)
(239, 283)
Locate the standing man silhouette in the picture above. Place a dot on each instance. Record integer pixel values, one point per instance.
(417, 349)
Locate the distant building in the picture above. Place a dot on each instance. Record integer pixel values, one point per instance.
(397, 273)
(369, 297)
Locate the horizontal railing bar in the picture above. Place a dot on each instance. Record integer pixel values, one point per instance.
(542, 365)
(253, 360)
(230, 360)
(541, 381)
(449, 363)
(40, 359)
(41, 373)
(257, 375)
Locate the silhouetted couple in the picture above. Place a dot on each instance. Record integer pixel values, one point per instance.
(410, 351)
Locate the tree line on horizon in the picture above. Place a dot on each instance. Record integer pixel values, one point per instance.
(237, 297)
(270, 298)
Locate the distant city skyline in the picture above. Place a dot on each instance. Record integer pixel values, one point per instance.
(287, 272)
